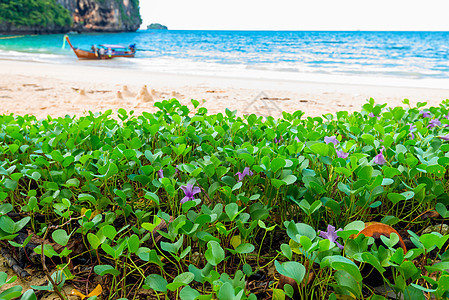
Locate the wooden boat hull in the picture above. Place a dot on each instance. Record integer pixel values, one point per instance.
(83, 54)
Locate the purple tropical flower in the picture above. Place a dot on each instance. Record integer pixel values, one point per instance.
(331, 235)
(296, 139)
(446, 116)
(189, 192)
(379, 158)
(425, 114)
(331, 139)
(372, 116)
(278, 141)
(246, 172)
(160, 173)
(412, 127)
(444, 137)
(434, 123)
(342, 154)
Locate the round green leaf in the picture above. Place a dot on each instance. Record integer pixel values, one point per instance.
(292, 269)
(60, 236)
(214, 253)
(245, 248)
(156, 282)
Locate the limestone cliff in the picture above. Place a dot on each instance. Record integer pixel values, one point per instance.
(104, 15)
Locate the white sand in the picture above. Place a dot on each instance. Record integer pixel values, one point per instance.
(41, 89)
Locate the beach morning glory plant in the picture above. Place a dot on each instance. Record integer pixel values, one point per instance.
(411, 129)
(434, 123)
(342, 154)
(425, 114)
(379, 158)
(331, 139)
(372, 116)
(331, 235)
(189, 192)
(246, 172)
(444, 137)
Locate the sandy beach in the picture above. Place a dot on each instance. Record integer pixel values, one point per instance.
(45, 89)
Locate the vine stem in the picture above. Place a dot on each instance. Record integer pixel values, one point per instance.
(44, 267)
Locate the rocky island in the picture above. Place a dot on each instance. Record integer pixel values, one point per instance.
(61, 16)
(157, 26)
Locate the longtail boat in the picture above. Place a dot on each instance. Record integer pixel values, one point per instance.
(104, 51)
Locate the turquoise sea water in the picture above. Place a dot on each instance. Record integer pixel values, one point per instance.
(420, 58)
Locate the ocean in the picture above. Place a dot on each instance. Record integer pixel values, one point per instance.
(419, 59)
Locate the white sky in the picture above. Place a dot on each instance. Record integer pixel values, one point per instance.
(297, 14)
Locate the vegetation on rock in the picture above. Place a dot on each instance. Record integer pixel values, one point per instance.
(156, 26)
(34, 13)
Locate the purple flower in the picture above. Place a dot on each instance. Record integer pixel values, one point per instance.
(444, 137)
(189, 192)
(331, 139)
(331, 235)
(296, 139)
(160, 173)
(412, 127)
(372, 116)
(246, 172)
(342, 154)
(434, 123)
(278, 141)
(425, 114)
(379, 158)
(446, 116)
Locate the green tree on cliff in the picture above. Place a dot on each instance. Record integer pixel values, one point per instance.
(38, 13)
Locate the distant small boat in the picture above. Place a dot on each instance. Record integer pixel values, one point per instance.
(104, 51)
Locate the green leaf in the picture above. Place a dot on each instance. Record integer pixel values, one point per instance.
(292, 269)
(368, 139)
(277, 164)
(245, 248)
(320, 149)
(93, 240)
(214, 253)
(365, 173)
(87, 197)
(11, 293)
(277, 183)
(185, 278)
(60, 236)
(156, 282)
(296, 230)
(5, 208)
(106, 269)
(442, 210)
(342, 263)
(289, 179)
(287, 251)
(29, 295)
(187, 293)
(395, 197)
(109, 231)
(9, 226)
(390, 172)
(133, 243)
